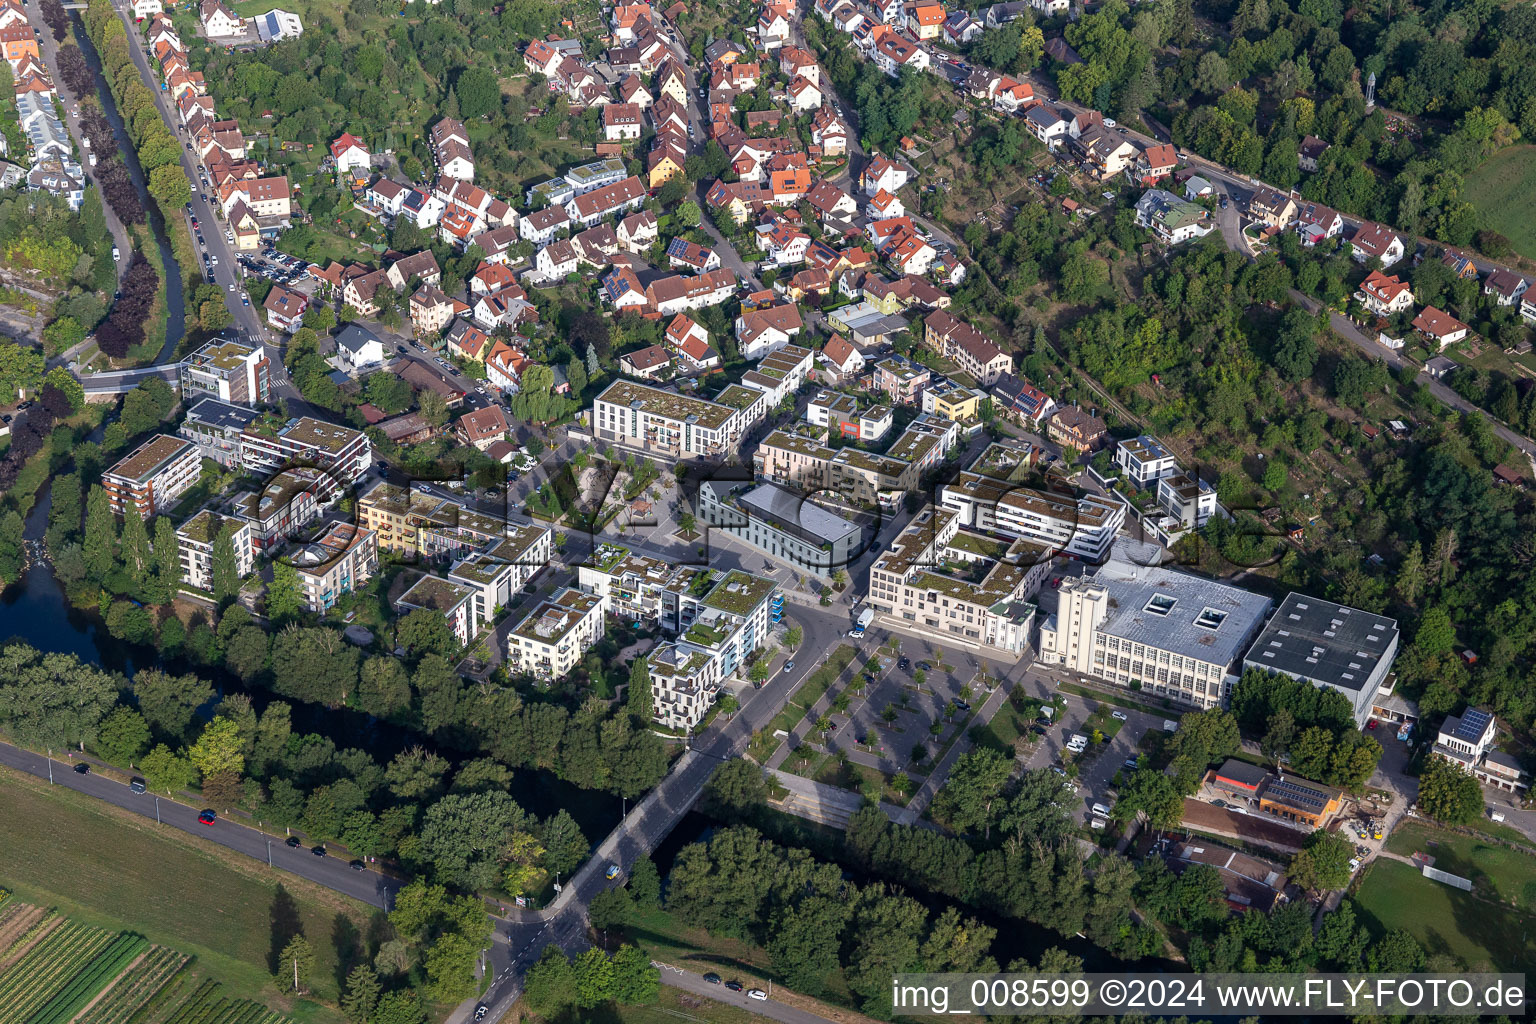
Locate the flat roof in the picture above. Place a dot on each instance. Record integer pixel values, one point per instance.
(150, 457)
(556, 616)
(312, 433)
(1174, 611)
(739, 592)
(797, 443)
(668, 404)
(1311, 638)
(435, 593)
(226, 355)
(221, 415)
(794, 511)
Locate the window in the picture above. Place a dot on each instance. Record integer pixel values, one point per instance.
(1210, 618)
(1160, 604)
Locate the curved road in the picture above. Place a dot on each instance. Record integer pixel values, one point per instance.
(331, 872)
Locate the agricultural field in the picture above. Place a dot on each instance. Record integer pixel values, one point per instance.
(56, 970)
(1501, 188)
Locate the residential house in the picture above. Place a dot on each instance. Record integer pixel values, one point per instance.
(1384, 295)
(925, 19)
(1505, 286)
(842, 362)
(649, 363)
(1309, 151)
(883, 174)
(541, 226)
(685, 255)
(555, 261)
(1316, 222)
(1021, 401)
(1171, 219)
(359, 347)
(1046, 124)
(804, 95)
(483, 427)
(961, 29)
(1376, 241)
(218, 21)
(421, 267)
(1272, 209)
(1073, 427)
(431, 310)
(760, 332)
(622, 121)
(973, 352)
(466, 341)
(1440, 327)
(638, 232)
(285, 309)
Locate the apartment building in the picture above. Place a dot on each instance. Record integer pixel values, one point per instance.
(1331, 646)
(454, 601)
(337, 562)
(1083, 527)
(215, 427)
(1174, 634)
(674, 426)
(971, 351)
(959, 584)
(229, 370)
(1188, 500)
(153, 475)
(393, 514)
(195, 540)
(500, 569)
(287, 503)
(551, 639)
(685, 682)
(1144, 461)
(782, 524)
(343, 452)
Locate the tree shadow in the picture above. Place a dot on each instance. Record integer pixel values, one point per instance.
(286, 923)
(348, 940)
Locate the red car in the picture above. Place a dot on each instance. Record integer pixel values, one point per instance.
(1371, 724)
(207, 817)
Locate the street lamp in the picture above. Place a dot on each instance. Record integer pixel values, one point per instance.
(269, 853)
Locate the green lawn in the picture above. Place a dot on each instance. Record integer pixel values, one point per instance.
(1497, 871)
(1502, 189)
(1446, 920)
(112, 869)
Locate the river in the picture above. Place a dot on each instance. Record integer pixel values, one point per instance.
(175, 298)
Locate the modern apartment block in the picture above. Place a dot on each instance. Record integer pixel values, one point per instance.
(861, 477)
(552, 638)
(719, 619)
(290, 501)
(1329, 645)
(229, 370)
(503, 567)
(955, 583)
(343, 452)
(673, 426)
(334, 564)
(1172, 634)
(638, 587)
(195, 539)
(1083, 527)
(215, 427)
(782, 524)
(454, 601)
(153, 475)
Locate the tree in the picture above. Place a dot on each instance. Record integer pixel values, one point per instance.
(425, 631)
(1449, 794)
(971, 796)
(564, 845)
(550, 984)
(478, 91)
(635, 981)
(169, 186)
(362, 994)
(165, 769)
(794, 637)
(637, 700)
(737, 785)
(1436, 634)
(219, 749)
(464, 836)
(168, 703)
(610, 908)
(100, 547)
(124, 736)
(296, 965)
(594, 978)
(285, 597)
(167, 558)
(226, 568)
(1322, 863)
(687, 214)
(433, 407)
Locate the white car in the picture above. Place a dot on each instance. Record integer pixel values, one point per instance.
(758, 994)
(1120, 716)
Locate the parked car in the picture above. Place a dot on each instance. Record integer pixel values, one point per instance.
(1120, 716)
(758, 994)
(712, 978)
(734, 985)
(788, 665)
(207, 817)
(292, 842)
(137, 786)
(82, 769)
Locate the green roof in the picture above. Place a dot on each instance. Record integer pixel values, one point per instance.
(739, 592)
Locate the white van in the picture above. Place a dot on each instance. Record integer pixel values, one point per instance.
(1495, 815)
(1100, 810)
(1078, 742)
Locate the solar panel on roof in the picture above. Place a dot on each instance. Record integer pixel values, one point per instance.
(1473, 724)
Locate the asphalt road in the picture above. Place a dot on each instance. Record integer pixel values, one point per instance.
(689, 981)
(331, 872)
